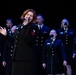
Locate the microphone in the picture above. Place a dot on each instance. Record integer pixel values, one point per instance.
(51, 36)
(65, 23)
(23, 19)
(27, 19)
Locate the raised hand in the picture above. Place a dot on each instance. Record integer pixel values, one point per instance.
(3, 31)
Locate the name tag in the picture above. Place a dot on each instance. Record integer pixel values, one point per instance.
(48, 43)
(61, 32)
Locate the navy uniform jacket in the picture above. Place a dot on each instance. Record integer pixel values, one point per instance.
(41, 36)
(67, 39)
(8, 47)
(55, 50)
(23, 46)
(8, 51)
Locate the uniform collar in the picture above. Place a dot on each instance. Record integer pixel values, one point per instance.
(40, 26)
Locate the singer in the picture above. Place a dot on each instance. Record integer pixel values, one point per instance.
(66, 34)
(53, 55)
(23, 54)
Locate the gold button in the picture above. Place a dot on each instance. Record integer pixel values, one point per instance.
(18, 32)
(16, 36)
(16, 40)
(66, 37)
(66, 43)
(36, 40)
(11, 46)
(41, 37)
(37, 37)
(10, 54)
(41, 40)
(11, 50)
(52, 54)
(52, 51)
(66, 40)
(15, 45)
(41, 44)
(36, 44)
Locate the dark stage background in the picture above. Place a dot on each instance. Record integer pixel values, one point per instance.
(53, 11)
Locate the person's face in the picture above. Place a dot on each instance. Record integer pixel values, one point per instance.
(64, 23)
(9, 24)
(53, 32)
(39, 19)
(29, 16)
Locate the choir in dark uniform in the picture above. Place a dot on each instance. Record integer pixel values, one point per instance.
(66, 34)
(42, 34)
(54, 57)
(8, 48)
(31, 51)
